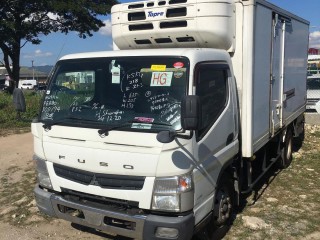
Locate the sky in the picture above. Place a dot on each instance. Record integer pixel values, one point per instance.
(57, 45)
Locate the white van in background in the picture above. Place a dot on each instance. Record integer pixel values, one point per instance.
(313, 93)
(27, 84)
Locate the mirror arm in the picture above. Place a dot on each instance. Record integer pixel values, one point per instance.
(184, 136)
(169, 136)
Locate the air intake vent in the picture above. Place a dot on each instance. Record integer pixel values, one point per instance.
(177, 1)
(163, 40)
(102, 180)
(175, 24)
(136, 16)
(143, 41)
(176, 12)
(139, 27)
(185, 39)
(133, 6)
(73, 174)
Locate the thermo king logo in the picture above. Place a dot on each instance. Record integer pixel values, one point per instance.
(155, 14)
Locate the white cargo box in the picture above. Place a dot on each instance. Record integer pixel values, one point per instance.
(174, 23)
(268, 48)
(270, 66)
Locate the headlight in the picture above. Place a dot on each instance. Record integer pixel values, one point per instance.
(42, 173)
(173, 194)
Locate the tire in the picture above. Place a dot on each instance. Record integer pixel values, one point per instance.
(223, 211)
(286, 151)
(224, 201)
(298, 141)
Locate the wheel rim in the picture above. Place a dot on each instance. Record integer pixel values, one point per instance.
(224, 204)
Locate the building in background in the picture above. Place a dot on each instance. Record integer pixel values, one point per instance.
(314, 61)
(313, 51)
(25, 73)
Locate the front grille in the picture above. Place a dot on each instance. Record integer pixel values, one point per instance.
(119, 204)
(109, 181)
(73, 174)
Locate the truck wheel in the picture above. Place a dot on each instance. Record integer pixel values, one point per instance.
(223, 208)
(223, 211)
(224, 201)
(286, 151)
(298, 141)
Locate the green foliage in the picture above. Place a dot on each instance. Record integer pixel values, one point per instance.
(4, 101)
(34, 17)
(22, 21)
(8, 114)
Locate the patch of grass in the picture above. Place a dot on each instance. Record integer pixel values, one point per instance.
(8, 122)
(295, 212)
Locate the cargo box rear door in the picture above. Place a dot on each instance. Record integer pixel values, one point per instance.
(277, 65)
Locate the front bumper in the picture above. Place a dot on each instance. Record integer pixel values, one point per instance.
(137, 226)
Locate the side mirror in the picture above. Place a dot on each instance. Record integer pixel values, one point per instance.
(190, 112)
(166, 136)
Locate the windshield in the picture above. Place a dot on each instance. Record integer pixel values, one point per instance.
(108, 92)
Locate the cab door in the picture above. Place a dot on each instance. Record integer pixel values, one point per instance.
(216, 141)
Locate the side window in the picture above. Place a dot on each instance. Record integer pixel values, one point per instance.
(212, 90)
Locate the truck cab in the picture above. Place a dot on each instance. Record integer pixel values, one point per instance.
(105, 128)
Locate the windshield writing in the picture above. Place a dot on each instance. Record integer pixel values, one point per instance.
(110, 92)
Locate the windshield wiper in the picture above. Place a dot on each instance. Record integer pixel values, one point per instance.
(105, 131)
(47, 126)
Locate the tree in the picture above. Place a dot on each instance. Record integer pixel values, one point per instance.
(23, 21)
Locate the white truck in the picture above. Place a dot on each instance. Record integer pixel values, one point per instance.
(159, 139)
(27, 84)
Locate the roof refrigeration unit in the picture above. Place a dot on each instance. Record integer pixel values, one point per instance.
(175, 23)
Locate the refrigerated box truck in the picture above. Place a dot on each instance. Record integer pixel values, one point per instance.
(159, 139)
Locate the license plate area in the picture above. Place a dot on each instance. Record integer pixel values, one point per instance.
(120, 223)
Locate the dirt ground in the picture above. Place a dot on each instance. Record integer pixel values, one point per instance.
(19, 217)
(287, 206)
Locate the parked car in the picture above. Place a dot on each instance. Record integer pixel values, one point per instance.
(27, 86)
(313, 93)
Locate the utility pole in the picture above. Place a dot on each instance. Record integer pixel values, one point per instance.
(32, 69)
